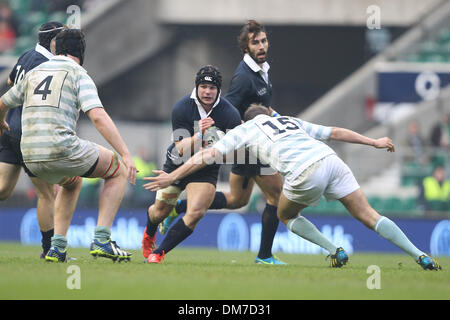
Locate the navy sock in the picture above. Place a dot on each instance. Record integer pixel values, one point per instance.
(174, 236)
(219, 202)
(181, 206)
(151, 227)
(47, 240)
(269, 228)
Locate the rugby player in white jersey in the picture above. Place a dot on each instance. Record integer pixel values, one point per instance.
(310, 169)
(52, 96)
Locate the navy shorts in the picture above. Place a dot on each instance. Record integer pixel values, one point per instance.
(10, 152)
(251, 168)
(208, 174)
(248, 170)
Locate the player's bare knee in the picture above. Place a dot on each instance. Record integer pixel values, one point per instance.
(78, 184)
(159, 211)
(44, 191)
(273, 196)
(48, 195)
(119, 173)
(283, 220)
(5, 191)
(366, 215)
(159, 215)
(236, 202)
(285, 217)
(370, 218)
(195, 214)
(73, 184)
(116, 169)
(280, 216)
(273, 201)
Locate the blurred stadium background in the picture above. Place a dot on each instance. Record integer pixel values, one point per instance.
(327, 67)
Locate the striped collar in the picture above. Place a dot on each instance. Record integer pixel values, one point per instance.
(64, 58)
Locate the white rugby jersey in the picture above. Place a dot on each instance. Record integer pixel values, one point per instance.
(289, 145)
(52, 95)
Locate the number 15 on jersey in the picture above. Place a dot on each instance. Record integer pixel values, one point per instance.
(279, 127)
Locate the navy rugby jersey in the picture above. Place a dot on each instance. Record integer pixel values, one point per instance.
(247, 87)
(28, 61)
(185, 116)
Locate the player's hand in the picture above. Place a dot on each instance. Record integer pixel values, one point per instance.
(205, 124)
(3, 126)
(384, 143)
(131, 167)
(161, 181)
(273, 113)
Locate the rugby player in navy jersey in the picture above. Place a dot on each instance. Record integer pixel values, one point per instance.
(10, 155)
(192, 116)
(250, 84)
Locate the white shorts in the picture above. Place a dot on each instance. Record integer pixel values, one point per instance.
(329, 177)
(58, 170)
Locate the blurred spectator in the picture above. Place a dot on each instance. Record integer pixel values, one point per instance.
(37, 5)
(416, 143)
(435, 191)
(440, 141)
(62, 5)
(8, 27)
(440, 134)
(7, 15)
(7, 36)
(139, 195)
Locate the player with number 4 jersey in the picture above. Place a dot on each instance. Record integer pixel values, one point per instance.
(52, 96)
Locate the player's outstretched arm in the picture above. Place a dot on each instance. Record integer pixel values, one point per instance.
(3, 111)
(104, 124)
(198, 161)
(346, 135)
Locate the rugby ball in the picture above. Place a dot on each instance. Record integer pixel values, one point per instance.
(211, 136)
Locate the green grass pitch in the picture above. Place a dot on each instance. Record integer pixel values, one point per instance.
(205, 274)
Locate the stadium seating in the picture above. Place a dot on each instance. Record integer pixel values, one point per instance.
(433, 50)
(29, 24)
(413, 173)
(388, 206)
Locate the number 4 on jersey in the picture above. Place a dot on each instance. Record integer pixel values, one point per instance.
(43, 87)
(46, 88)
